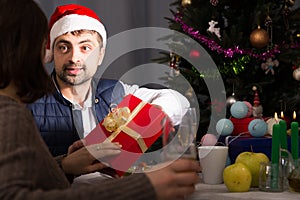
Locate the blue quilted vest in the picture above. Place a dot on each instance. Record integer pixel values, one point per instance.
(56, 120)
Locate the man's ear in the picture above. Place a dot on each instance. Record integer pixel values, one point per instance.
(102, 53)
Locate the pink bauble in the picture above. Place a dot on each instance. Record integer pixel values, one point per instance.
(249, 113)
(209, 140)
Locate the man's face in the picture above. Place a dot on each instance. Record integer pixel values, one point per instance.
(76, 57)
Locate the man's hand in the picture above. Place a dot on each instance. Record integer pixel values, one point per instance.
(85, 159)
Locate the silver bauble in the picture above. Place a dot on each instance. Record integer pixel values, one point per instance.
(296, 74)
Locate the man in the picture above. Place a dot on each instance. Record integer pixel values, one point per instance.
(77, 43)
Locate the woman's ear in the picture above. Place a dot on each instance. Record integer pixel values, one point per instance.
(102, 53)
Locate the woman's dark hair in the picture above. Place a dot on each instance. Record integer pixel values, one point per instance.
(23, 33)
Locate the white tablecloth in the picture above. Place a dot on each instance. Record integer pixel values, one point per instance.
(220, 192)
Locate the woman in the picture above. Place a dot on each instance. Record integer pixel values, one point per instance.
(27, 170)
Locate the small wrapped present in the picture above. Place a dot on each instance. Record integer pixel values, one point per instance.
(136, 125)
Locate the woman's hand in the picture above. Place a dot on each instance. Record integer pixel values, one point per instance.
(83, 159)
(174, 180)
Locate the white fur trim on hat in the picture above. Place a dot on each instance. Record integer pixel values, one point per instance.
(71, 23)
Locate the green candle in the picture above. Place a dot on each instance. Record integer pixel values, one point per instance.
(294, 140)
(283, 137)
(275, 144)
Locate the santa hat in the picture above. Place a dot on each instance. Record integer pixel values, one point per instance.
(256, 101)
(69, 18)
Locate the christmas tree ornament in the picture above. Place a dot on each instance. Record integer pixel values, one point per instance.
(239, 110)
(270, 123)
(231, 100)
(209, 140)
(249, 108)
(296, 74)
(268, 21)
(269, 65)
(228, 52)
(174, 61)
(257, 128)
(174, 66)
(214, 2)
(268, 24)
(212, 29)
(286, 11)
(185, 3)
(257, 108)
(259, 38)
(290, 3)
(224, 127)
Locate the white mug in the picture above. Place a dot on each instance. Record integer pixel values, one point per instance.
(213, 162)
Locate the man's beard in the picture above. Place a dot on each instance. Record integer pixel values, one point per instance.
(73, 80)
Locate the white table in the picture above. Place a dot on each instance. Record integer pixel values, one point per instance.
(220, 192)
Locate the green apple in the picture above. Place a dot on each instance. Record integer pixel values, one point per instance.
(252, 160)
(237, 177)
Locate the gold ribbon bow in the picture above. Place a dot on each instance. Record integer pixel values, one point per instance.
(116, 118)
(116, 121)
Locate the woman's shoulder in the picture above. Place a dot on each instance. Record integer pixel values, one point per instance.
(10, 108)
(16, 118)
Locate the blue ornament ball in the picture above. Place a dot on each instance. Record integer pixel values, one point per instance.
(224, 127)
(239, 110)
(257, 127)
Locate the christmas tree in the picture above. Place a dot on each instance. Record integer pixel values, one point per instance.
(253, 43)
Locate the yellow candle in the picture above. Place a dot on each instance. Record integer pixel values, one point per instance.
(282, 115)
(276, 117)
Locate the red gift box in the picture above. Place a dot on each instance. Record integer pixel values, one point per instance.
(141, 125)
(241, 125)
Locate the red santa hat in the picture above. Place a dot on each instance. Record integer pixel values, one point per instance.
(69, 18)
(256, 101)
